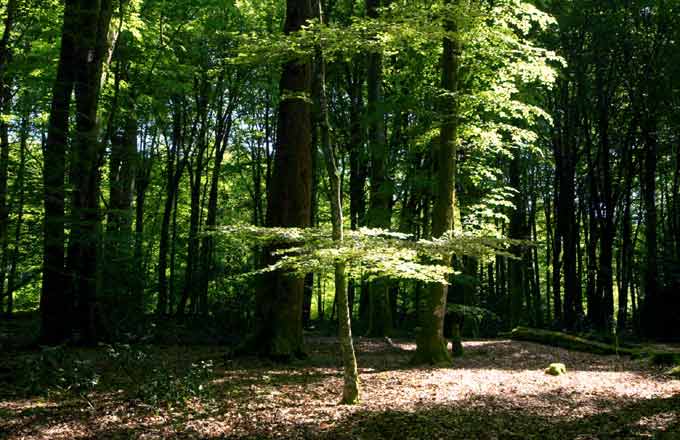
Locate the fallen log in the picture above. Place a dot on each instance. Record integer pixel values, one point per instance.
(577, 343)
(570, 342)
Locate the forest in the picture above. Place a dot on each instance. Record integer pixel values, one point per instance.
(339, 219)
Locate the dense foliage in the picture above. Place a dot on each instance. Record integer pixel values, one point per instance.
(154, 160)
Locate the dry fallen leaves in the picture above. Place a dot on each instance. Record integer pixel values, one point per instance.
(497, 391)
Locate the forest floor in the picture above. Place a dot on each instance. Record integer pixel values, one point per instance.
(498, 390)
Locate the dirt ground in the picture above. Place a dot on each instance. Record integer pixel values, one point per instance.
(498, 390)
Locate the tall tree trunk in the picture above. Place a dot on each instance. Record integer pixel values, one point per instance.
(379, 212)
(21, 189)
(431, 345)
(605, 278)
(278, 332)
(350, 393)
(119, 251)
(142, 181)
(92, 45)
(192, 276)
(592, 297)
(652, 311)
(517, 231)
(56, 305)
(5, 108)
(175, 168)
(225, 118)
(626, 252)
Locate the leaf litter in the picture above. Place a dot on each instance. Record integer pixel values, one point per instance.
(498, 390)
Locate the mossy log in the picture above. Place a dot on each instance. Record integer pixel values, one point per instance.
(674, 372)
(570, 342)
(665, 358)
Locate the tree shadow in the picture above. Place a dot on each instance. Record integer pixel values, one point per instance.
(485, 417)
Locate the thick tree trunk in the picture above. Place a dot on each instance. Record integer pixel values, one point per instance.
(279, 300)
(431, 345)
(56, 305)
(92, 45)
(357, 153)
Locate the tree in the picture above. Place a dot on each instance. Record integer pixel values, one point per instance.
(84, 45)
(379, 211)
(279, 299)
(431, 344)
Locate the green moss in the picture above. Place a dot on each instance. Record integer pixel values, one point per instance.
(564, 340)
(556, 369)
(665, 358)
(674, 372)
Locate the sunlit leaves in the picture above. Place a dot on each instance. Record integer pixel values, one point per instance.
(367, 252)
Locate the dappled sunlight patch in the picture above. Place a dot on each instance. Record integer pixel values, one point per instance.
(490, 391)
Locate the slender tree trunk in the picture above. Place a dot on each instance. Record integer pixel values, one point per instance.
(626, 256)
(652, 311)
(517, 231)
(119, 252)
(351, 388)
(118, 249)
(21, 189)
(379, 212)
(5, 107)
(175, 168)
(142, 181)
(208, 246)
(191, 275)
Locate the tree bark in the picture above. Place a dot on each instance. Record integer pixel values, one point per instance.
(379, 211)
(222, 138)
(278, 332)
(351, 388)
(652, 311)
(431, 345)
(5, 107)
(175, 168)
(21, 189)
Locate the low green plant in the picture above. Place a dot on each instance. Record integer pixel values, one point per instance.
(58, 371)
(157, 383)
